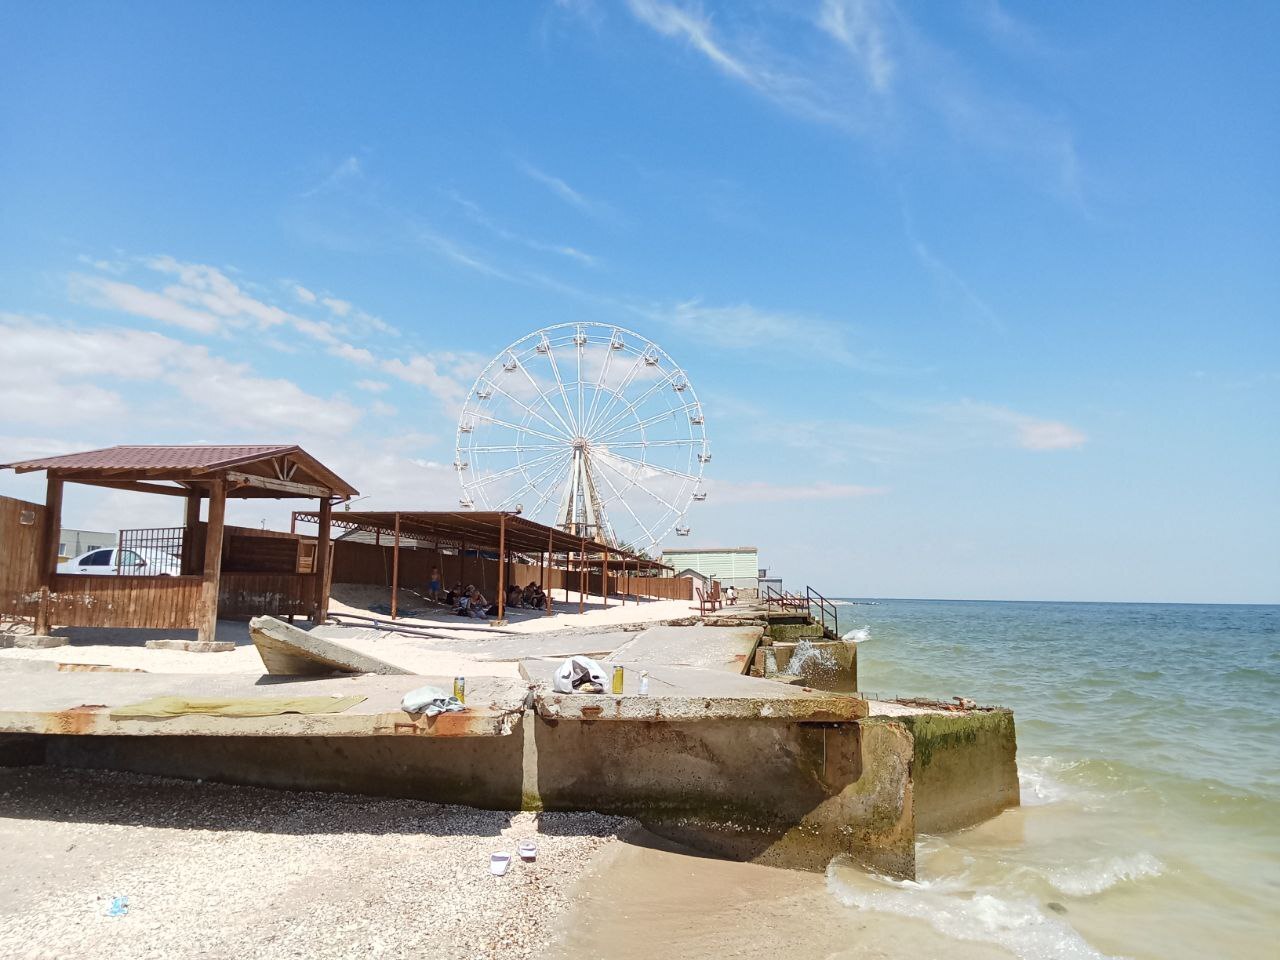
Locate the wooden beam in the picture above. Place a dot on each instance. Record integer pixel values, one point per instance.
(191, 524)
(582, 576)
(50, 536)
(237, 479)
(322, 565)
(207, 609)
(395, 569)
(502, 568)
(137, 485)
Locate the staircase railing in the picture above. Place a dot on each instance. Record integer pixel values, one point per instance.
(805, 603)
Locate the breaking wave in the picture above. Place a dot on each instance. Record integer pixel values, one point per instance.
(1017, 925)
(1095, 876)
(858, 635)
(1038, 781)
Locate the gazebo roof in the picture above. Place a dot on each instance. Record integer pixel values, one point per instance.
(250, 470)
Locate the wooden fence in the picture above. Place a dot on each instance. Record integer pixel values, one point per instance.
(355, 562)
(21, 524)
(245, 595)
(88, 600)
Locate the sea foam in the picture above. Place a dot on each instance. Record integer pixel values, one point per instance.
(858, 635)
(1095, 876)
(1018, 925)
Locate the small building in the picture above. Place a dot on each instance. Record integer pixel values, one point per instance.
(72, 543)
(732, 566)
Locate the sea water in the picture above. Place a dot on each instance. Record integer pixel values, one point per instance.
(1149, 758)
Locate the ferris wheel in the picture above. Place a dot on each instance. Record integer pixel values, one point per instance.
(588, 427)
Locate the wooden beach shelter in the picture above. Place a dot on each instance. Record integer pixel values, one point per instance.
(502, 535)
(198, 474)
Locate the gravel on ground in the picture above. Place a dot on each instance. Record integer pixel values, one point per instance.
(219, 871)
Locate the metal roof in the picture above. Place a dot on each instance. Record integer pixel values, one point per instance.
(474, 528)
(126, 463)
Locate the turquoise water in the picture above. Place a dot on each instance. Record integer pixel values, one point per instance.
(1149, 755)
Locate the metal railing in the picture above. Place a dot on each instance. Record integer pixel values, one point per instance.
(806, 603)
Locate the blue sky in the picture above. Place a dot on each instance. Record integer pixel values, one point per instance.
(980, 298)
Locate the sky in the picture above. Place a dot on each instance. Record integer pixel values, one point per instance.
(981, 299)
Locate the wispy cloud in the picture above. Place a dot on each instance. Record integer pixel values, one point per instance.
(562, 190)
(857, 26)
(478, 216)
(866, 67)
(1028, 432)
(128, 298)
(759, 491)
(348, 168)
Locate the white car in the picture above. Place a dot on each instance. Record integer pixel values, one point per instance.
(153, 563)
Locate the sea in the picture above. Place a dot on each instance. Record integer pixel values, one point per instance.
(1149, 761)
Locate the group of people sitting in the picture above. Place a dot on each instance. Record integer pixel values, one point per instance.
(472, 603)
(531, 597)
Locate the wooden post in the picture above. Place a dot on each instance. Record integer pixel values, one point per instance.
(395, 570)
(322, 566)
(207, 611)
(502, 566)
(546, 570)
(604, 579)
(190, 525)
(49, 550)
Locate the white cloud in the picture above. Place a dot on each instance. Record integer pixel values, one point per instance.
(562, 190)
(372, 386)
(337, 307)
(127, 298)
(1030, 433)
(694, 28)
(744, 327)
(60, 374)
(439, 373)
(477, 215)
(303, 294)
(357, 355)
(759, 491)
(856, 25)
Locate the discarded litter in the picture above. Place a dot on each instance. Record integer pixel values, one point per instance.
(644, 683)
(528, 851)
(119, 907)
(579, 675)
(498, 864)
(431, 701)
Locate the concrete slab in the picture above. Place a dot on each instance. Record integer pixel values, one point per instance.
(684, 694)
(532, 646)
(288, 651)
(716, 648)
(80, 703)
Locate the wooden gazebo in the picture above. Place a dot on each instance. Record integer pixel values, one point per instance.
(199, 474)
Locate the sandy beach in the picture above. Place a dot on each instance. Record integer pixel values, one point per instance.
(218, 871)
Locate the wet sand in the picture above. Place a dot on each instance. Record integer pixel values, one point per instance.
(648, 897)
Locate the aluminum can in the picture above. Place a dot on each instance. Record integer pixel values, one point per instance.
(618, 674)
(460, 689)
(644, 683)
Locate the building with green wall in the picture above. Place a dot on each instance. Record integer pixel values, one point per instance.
(739, 566)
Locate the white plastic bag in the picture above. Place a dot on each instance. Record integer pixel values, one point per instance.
(576, 671)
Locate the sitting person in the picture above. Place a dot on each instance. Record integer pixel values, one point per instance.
(537, 599)
(731, 595)
(479, 607)
(514, 597)
(529, 596)
(462, 602)
(453, 595)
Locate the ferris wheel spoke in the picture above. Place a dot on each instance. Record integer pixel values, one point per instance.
(639, 425)
(615, 394)
(515, 496)
(518, 468)
(579, 340)
(631, 407)
(552, 487)
(518, 448)
(650, 466)
(631, 482)
(528, 409)
(550, 406)
(686, 442)
(489, 418)
(618, 496)
(555, 371)
(604, 371)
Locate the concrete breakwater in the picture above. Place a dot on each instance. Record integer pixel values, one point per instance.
(748, 767)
